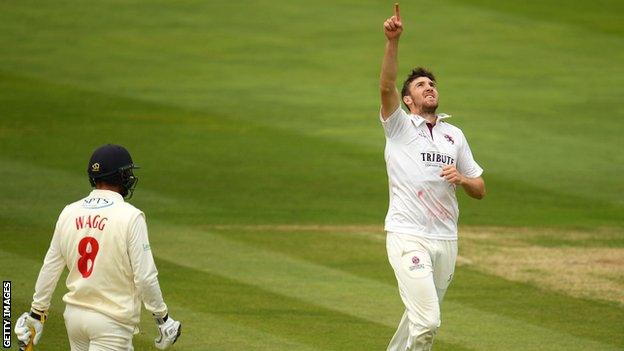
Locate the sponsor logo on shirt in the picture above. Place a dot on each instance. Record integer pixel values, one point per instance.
(93, 203)
(436, 159)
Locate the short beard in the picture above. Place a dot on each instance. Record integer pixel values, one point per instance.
(429, 109)
(424, 109)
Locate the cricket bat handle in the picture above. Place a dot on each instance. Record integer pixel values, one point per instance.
(30, 346)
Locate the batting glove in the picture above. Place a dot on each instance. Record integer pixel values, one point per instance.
(169, 330)
(30, 326)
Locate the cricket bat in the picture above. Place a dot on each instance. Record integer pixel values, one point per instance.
(30, 346)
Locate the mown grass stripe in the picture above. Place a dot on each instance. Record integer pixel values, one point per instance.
(202, 328)
(304, 178)
(268, 312)
(361, 252)
(337, 290)
(205, 330)
(232, 316)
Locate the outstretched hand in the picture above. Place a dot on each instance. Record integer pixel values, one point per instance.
(393, 27)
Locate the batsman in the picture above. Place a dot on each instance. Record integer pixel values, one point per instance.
(103, 242)
(427, 158)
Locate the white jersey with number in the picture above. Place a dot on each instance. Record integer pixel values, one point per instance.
(421, 202)
(103, 242)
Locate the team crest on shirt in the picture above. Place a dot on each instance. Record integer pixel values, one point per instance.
(449, 139)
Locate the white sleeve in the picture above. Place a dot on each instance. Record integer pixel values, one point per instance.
(144, 268)
(466, 165)
(53, 265)
(397, 123)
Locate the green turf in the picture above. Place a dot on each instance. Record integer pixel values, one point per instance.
(264, 112)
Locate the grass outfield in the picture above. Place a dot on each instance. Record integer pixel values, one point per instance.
(263, 178)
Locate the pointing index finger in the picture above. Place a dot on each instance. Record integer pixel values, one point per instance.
(396, 11)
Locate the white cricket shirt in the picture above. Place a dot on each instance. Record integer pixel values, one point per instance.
(103, 242)
(421, 202)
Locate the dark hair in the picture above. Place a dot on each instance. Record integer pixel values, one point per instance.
(113, 179)
(416, 72)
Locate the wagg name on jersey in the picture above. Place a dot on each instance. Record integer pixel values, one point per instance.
(433, 158)
(96, 202)
(94, 222)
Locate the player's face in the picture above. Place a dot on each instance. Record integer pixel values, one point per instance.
(424, 94)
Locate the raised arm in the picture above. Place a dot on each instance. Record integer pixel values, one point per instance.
(390, 99)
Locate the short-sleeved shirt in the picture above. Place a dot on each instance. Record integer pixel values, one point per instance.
(421, 202)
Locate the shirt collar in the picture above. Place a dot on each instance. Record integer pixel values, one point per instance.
(419, 120)
(106, 193)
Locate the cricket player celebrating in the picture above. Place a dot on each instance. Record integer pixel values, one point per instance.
(103, 242)
(426, 158)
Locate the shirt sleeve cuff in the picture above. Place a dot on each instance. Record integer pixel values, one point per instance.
(477, 172)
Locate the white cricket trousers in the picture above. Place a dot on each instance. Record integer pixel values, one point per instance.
(89, 330)
(423, 269)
